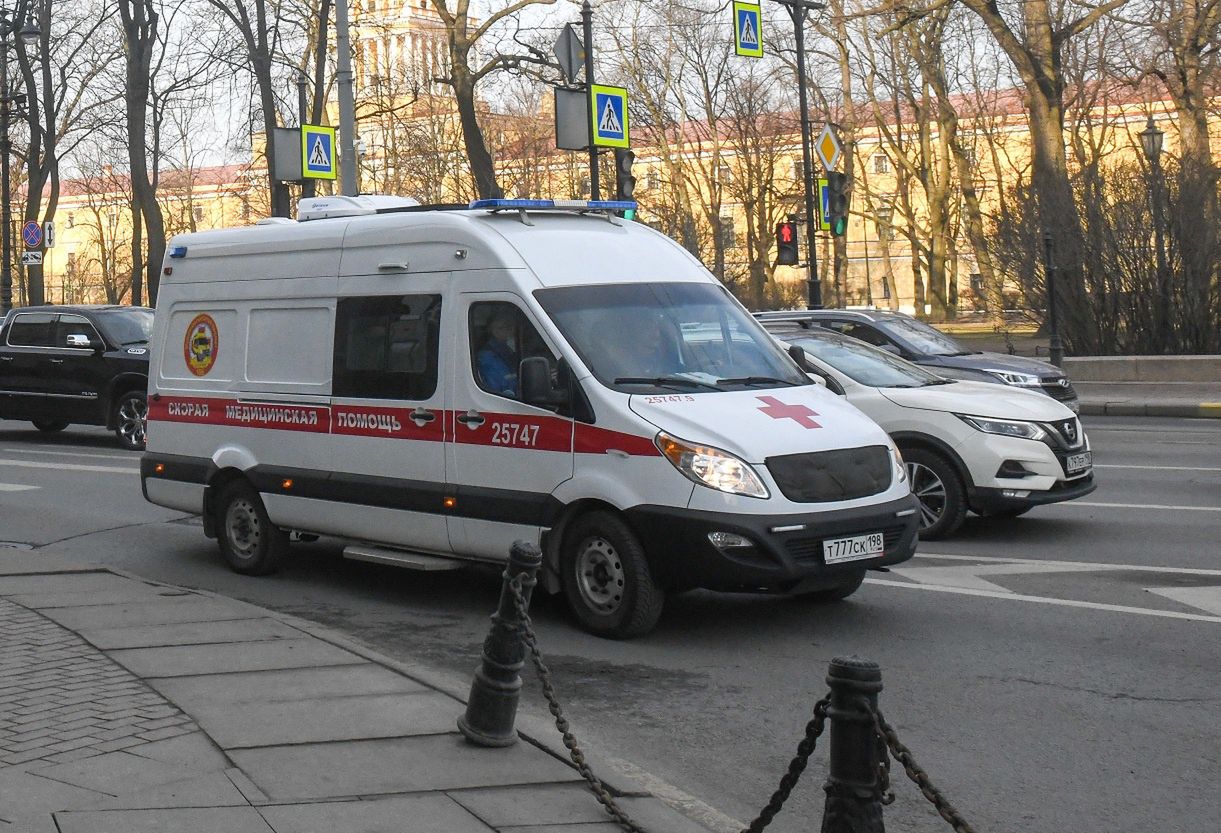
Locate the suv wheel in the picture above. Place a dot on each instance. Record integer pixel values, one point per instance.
(936, 484)
(248, 540)
(49, 426)
(131, 420)
(607, 579)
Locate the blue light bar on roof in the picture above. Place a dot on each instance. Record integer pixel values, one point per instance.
(178, 251)
(563, 205)
(513, 205)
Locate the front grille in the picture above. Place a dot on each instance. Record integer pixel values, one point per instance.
(1068, 432)
(1052, 387)
(824, 476)
(807, 549)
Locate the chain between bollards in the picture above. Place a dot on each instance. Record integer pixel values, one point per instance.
(858, 783)
(491, 709)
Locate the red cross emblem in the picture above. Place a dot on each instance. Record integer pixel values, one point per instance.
(780, 410)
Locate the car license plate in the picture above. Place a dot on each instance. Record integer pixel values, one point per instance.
(852, 549)
(1077, 463)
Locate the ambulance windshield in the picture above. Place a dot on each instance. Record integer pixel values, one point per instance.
(662, 337)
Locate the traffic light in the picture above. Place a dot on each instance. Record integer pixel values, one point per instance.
(837, 202)
(625, 183)
(786, 244)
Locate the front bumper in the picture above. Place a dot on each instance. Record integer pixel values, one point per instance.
(994, 500)
(681, 556)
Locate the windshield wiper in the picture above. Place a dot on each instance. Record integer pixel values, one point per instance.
(757, 380)
(137, 341)
(661, 381)
(938, 382)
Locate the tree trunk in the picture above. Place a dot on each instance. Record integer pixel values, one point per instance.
(483, 169)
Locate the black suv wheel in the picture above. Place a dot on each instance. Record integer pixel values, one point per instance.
(131, 420)
(49, 426)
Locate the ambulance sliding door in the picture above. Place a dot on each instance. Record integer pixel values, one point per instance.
(506, 458)
(388, 411)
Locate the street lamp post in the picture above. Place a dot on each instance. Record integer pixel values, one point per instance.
(1151, 144)
(29, 34)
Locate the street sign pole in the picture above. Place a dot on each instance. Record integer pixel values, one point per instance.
(587, 28)
(797, 11)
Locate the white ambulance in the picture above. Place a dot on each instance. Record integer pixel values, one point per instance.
(431, 384)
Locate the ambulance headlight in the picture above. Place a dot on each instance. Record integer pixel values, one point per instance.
(712, 467)
(900, 466)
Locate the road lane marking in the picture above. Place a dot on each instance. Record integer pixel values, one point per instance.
(1205, 598)
(1083, 566)
(16, 487)
(1158, 468)
(74, 453)
(1046, 600)
(970, 576)
(33, 464)
(1160, 506)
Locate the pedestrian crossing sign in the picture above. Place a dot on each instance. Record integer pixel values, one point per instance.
(748, 30)
(609, 113)
(317, 152)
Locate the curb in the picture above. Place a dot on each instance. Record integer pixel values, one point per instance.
(1202, 410)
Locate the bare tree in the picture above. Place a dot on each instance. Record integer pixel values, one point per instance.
(464, 71)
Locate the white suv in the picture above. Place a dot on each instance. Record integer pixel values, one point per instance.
(997, 451)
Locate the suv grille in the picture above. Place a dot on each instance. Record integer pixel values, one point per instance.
(824, 476)
(1069, 431)
(1058, 387)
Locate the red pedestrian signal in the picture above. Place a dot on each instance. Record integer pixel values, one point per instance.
(786, 244)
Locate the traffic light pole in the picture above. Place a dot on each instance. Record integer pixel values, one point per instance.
(797, 10)
(587, 28)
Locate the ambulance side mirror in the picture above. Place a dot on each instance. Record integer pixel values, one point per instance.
(536, 386)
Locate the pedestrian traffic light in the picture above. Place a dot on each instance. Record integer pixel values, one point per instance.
(837, 202)
(786, 244)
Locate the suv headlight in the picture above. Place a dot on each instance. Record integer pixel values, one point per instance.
(1022, 380)
(1005, 427)
(712, 467)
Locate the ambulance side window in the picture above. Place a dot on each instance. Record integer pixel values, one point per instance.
(386, 347)
(501, 336)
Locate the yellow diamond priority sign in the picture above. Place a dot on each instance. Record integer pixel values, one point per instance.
(828, 148)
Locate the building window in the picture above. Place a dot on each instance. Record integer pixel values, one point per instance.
(723, 174)
(798, 170)
(652, 180)
(881, 164)
(197, 213)
(882, 218)
(729, 237)
(71, 220)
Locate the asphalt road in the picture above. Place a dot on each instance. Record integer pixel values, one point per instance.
(1060, 671)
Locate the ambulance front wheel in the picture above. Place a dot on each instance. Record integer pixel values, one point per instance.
(248, 540)
(607, 579)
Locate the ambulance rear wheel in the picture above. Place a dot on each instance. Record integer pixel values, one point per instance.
(607, 580)
(248, 540)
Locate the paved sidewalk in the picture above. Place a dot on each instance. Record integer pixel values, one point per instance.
(128, 705)
(1165, 399)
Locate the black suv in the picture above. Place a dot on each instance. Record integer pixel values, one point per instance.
(918, 342)
(84, 365)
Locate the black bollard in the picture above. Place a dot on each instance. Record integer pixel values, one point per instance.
(492, 706)
(854, 804)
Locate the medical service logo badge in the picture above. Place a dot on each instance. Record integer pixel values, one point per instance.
(201, 345)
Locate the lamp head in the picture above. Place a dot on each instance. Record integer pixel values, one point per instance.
(29, 32)
(1151, 140)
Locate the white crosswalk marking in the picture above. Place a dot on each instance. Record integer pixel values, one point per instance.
(17, 487)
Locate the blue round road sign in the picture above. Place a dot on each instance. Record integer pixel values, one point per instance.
(31, 233)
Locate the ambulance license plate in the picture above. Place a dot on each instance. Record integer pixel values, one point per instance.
(852, 549)
(1077, 463)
